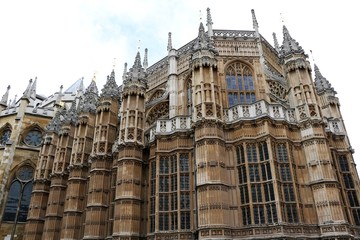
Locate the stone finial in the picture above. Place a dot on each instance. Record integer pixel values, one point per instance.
(209, 23)
(125, 72)
(5, 97)
(255, 22)
(145, 63)
(169, 46)
(33, 89)
(27, 91)
(276, 43)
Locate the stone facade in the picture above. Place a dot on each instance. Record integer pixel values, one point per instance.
(226, 137)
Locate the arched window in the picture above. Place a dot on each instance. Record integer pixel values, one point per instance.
(17, 204)
(240, 84)
(4, 136)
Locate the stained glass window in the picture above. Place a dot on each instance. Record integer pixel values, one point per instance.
(240, 84)
(18, 199)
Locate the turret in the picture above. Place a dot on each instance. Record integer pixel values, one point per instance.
(129, 181)
(206, 87)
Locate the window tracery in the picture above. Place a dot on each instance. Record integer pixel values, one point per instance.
(18, 200)
(240, 84)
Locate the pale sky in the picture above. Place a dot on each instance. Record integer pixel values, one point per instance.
(61, 41)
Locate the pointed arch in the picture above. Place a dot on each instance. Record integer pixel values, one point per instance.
(19, 194)
(240, 84)
(156, 94)
(160, 110)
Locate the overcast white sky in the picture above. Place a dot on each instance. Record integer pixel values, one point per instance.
(62, 41)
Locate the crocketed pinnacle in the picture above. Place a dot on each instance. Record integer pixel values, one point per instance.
(33, 89)
(321, 83)
(209, 23)
(208, 17)
(276, 43)
(110, 89)
(90, 98)
(55, 123)
(145, 63)
(72, 114)
(27, 92)
(290, 46)
(169, 46)
(5, 97)
(255, 22)
(203, 41)
(136, 73)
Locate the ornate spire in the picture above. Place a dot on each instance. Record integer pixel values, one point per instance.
(72, 114)
(145, 59)
(290, 46)
(90, 98)
(55, 123)
(209, 23)
(203, 41)
(169, 46)
(110, 89)
(276, 43)
(5, 97)
(136, 73)
(321, 83)
(255, 23)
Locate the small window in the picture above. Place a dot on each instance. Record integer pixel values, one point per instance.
(4, 136)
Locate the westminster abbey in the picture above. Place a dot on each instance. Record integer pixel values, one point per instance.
(226, 137)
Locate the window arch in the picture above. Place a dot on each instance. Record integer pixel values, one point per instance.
(17, 204)
(240, 84)
(5, 134)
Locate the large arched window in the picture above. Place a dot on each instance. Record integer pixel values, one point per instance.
(17, 204)
(240, 84)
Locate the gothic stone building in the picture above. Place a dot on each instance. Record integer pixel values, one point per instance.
(226, 137)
